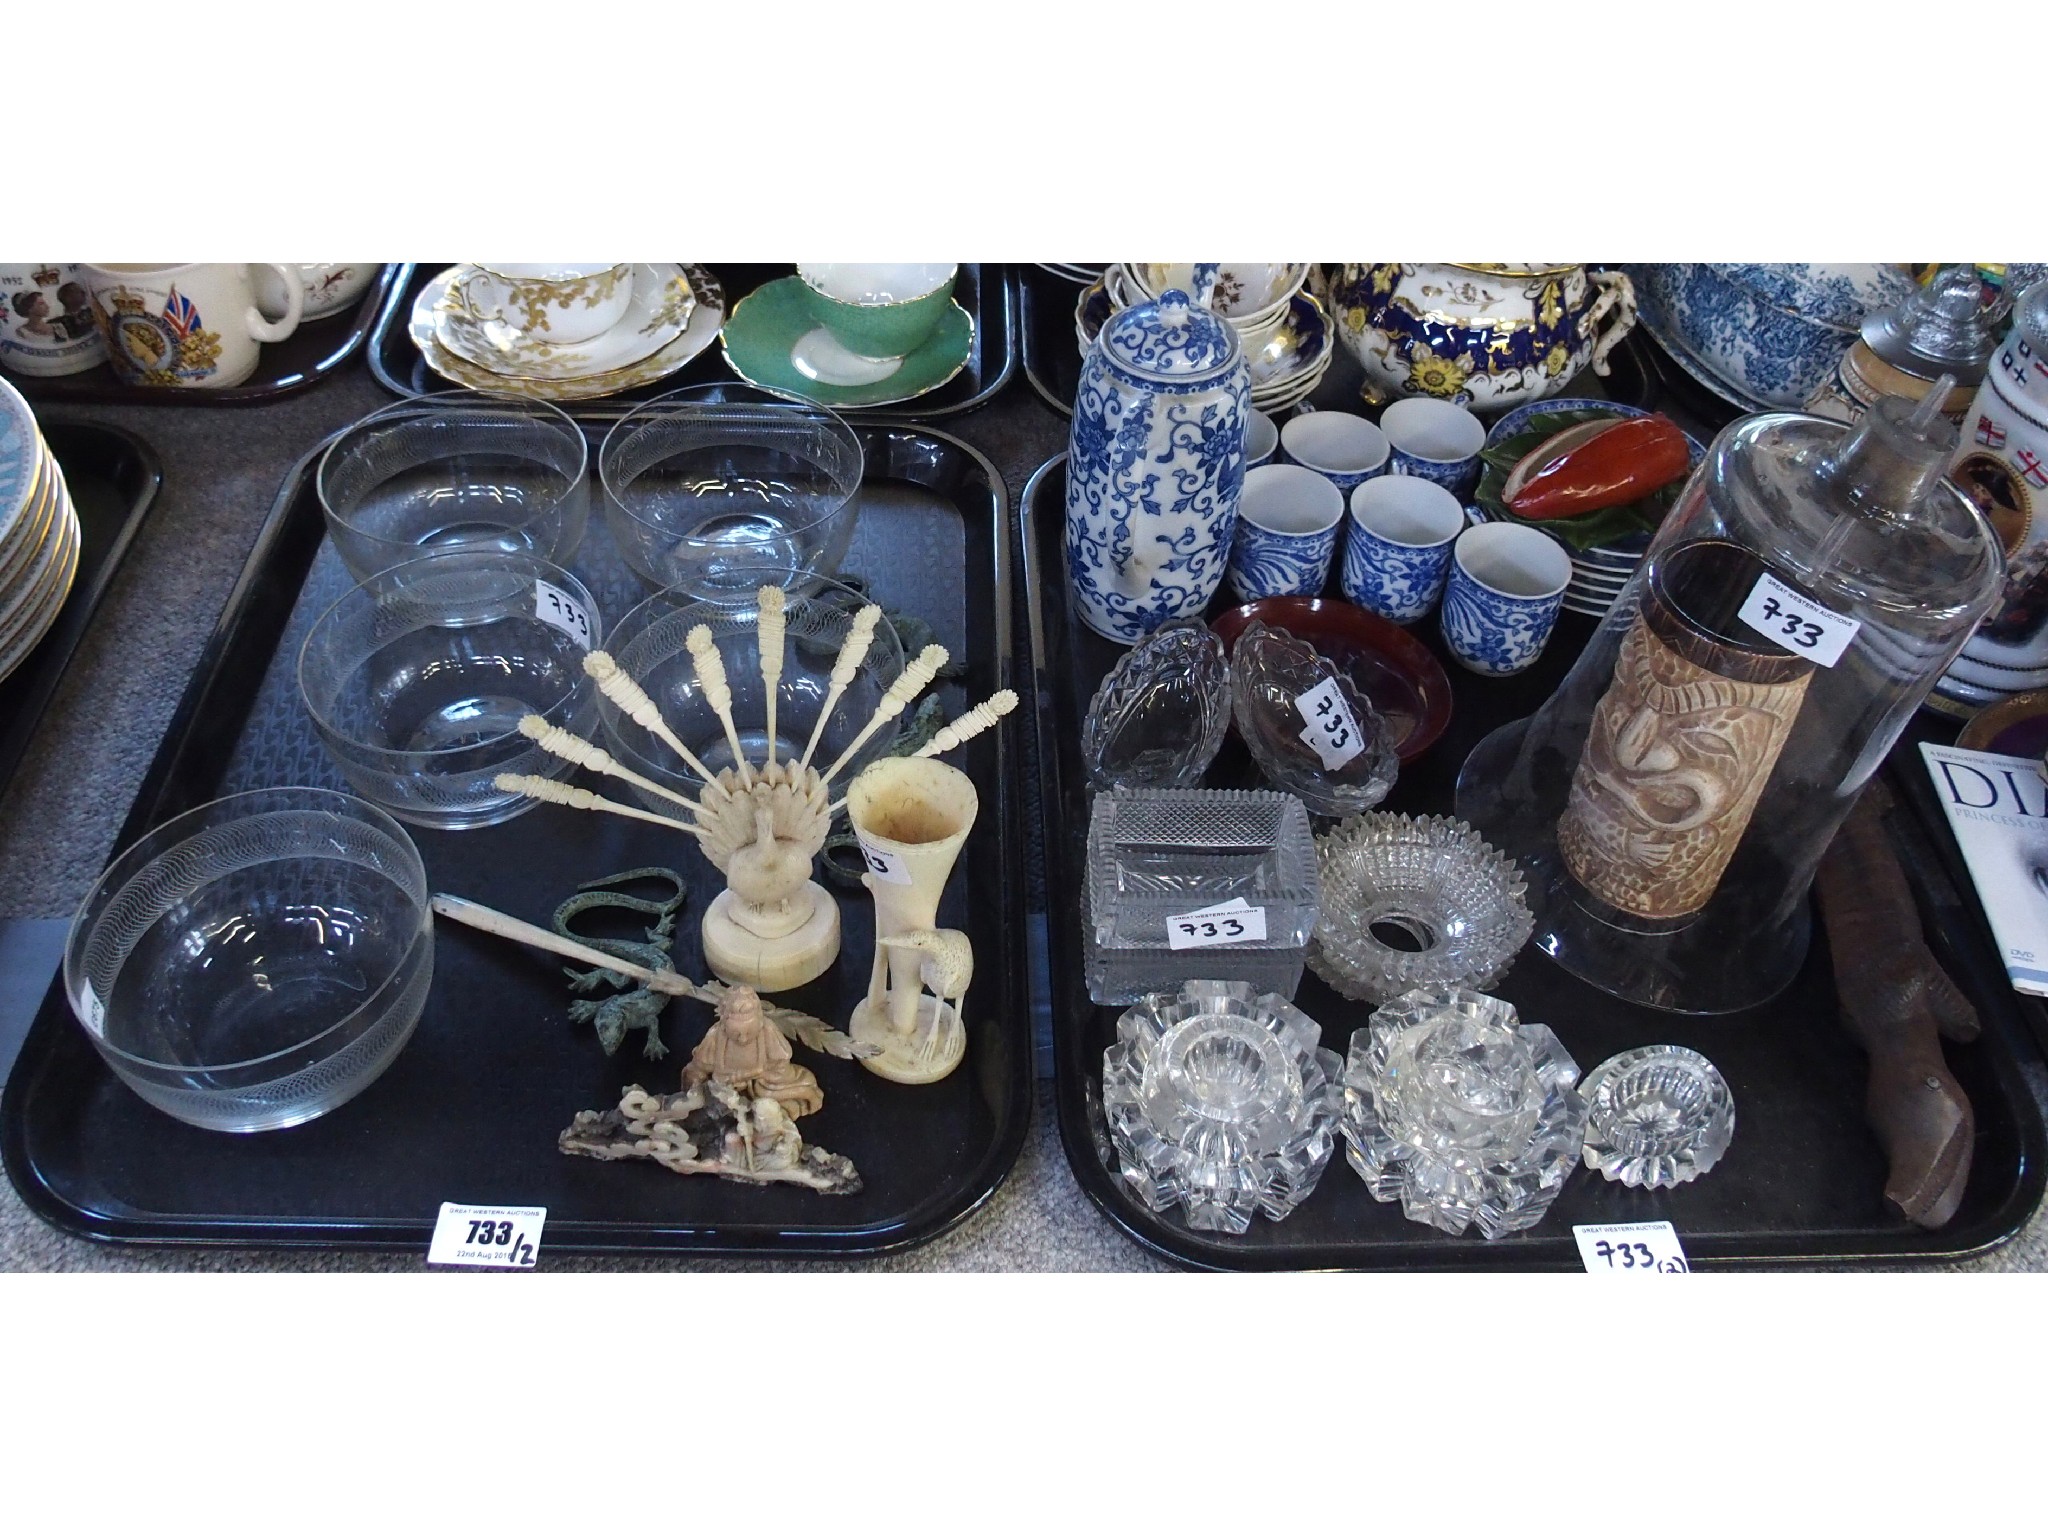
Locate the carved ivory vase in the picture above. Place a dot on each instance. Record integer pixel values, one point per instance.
(912, 816)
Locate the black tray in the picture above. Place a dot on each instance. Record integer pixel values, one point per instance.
(983, 291)
(113, 477)
(471, 1109)
(1803, 1181)
(1045, 334)
(302, 359)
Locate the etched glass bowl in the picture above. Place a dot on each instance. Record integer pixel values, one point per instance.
(1657, 1116)
(1159, 717)
(1271, 675)
(1415, 901)
(1221, 1100)
(1464, 1114)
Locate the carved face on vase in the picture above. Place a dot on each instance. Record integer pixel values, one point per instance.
(1672, 768)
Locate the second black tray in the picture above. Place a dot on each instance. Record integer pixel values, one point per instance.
(1804, 1178)
(471, 1108)
(983, 291)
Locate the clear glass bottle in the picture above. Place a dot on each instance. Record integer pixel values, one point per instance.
(1671, 800)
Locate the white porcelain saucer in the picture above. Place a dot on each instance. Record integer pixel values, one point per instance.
(660, 311)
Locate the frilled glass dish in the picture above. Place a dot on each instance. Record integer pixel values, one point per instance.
(1415, 901)
(1157, 854)
(1461, 1112)
(1159, 717)
(1271, 674)
(1220, 1100)
(1657, 1116)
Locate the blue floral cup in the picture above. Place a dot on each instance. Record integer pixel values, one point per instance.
(1435, 440)
(1397, 552)
(1507, 582)
(1344, 449)
(1286, 534)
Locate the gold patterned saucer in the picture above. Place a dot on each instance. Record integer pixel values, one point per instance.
(658, 313)
(705, 321)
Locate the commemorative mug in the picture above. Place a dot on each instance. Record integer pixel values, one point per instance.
(189, 325)
(46, 325)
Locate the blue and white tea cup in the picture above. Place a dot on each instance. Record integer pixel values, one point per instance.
(1435, 440)
(1286, 535)
(1261, 439)
(1344, 449)
(1506, 585)
(1397, 551)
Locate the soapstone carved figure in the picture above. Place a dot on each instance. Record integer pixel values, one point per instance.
(744, 1051)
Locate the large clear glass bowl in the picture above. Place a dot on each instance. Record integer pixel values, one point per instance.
(417, 680)
(257, 961)
(472, 471)
(706, 483)
(650, 645)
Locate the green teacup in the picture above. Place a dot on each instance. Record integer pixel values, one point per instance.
(875, 308)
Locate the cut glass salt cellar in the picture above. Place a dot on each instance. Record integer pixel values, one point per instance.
(1657, 1116)
(1159, 717)
(1220, 1099)
(1309, 729)
(1414, 901)
(1464, 1114)
(1156, 855)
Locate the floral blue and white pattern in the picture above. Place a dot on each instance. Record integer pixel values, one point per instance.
(1396, 581)
(1458, 476)
(1155, 465)
(1766, 353)
(1264, 563)
(1493, 633)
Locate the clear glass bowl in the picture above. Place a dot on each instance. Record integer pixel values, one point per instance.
(1415, 901)
(705, 483)
(1221, 1100)
(417, 680)
(257, 961)
(470, 471)
(650, 645)
(1461, 1112)
(1160, 716)
(1657, 1116)
(1270, 670)
(1154, 854)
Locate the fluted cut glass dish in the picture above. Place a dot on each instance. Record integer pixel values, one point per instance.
(1657, 1116)
(1461, 1112)
(1221, 1100)
(1158, 719)
(1158, 854)
(1279, 689)
(1414, 901)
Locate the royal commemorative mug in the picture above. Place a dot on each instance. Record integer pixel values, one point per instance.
(189, 325)
(46, 325)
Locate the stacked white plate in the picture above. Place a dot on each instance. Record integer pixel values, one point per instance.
(1287, 359)
(39, 537)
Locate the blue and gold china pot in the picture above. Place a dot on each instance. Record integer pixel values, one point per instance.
(1487, 336)
(1155, 463)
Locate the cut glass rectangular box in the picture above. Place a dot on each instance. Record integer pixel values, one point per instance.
(1155, 854)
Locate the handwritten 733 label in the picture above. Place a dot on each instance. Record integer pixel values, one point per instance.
(487, 1236)
(551, 605)
(1332, 732)
(1797, 622)
(1229, 922)
(883, 865)
(1631, 1248)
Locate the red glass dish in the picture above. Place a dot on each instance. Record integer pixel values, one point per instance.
(1386, 663)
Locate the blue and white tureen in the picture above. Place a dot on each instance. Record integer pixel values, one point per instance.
(1154, 466)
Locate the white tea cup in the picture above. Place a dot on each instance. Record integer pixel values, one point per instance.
(557, 302)
(186, 325)
(46, 324)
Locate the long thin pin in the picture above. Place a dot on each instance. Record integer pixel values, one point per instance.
(768, 629)
(852, 652)
(619, 685)
(901, 692)
(535, 787)
(560, 741)
(966, 728)
(710, 668)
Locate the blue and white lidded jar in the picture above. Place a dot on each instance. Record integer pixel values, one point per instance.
(1154, 466)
